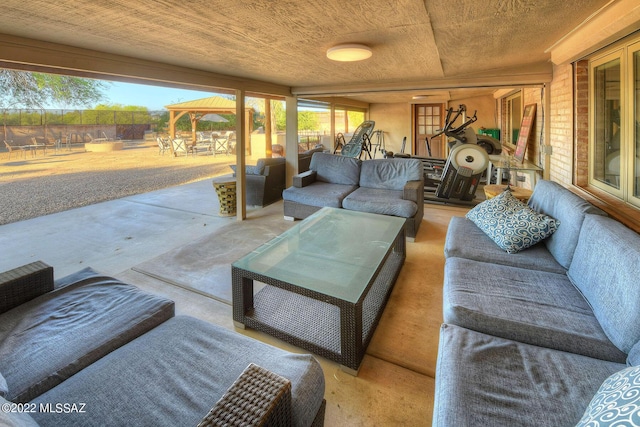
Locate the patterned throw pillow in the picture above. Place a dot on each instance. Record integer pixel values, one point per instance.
(513, 225)
(617, 402)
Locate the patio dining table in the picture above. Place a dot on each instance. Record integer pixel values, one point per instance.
(33, 148)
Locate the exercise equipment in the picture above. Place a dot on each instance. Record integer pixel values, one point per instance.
(462, 172)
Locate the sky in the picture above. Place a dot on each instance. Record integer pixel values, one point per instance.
(152, 97)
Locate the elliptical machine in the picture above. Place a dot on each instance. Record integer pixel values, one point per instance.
(464, 134)
(468, 157)
(457, 176)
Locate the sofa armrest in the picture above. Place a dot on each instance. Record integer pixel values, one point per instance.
(305, 178)
(24, 283)
(257, 398)
(414, 191)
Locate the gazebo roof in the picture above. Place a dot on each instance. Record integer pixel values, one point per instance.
(214, 104)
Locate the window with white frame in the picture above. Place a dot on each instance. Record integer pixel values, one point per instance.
(513, 110)
(614, 134)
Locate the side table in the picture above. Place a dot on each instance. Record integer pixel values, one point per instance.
(225, 187)
(522, 194)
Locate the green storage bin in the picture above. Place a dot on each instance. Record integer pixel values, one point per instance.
(491, 132)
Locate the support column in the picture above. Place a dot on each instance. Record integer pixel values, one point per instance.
(333, 127)
(267, 127)
(291, 148)
(547, 132)
(241, 144)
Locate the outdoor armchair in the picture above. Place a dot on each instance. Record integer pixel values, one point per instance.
(13, 147)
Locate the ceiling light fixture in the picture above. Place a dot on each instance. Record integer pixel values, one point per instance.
(420, 96)
(349, 52)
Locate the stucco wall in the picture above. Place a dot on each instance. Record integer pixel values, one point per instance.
(395, 121)
(486, 111)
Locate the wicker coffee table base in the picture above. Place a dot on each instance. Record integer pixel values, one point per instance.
(327, 326)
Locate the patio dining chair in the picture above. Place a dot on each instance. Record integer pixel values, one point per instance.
(180, 146)
(35, 145)
(163, 145)
(220, 145)
(360, 141)
(12, 147)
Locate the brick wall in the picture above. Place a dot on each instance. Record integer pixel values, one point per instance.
(561, 125)
(581, 100)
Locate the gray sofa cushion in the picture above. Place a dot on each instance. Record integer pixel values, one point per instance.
(606, 269)
(380, 201)
(465, 240)
(633, 358)
(530, 306)
(319, 194)
(552, 199)
(4, 388)
(336, 169)
(488, 381)
(174, 374)
(390, 174)
(50, 338)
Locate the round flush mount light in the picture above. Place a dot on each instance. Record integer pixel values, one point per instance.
(349, 52)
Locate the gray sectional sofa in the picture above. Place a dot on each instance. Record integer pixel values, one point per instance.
(548, 336)
(89, 350)
(383, 186)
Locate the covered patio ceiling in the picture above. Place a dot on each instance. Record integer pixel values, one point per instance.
(435, 49)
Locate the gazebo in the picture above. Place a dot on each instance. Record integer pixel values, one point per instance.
(198, 108)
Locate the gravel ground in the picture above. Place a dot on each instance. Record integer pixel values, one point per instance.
(34, 186)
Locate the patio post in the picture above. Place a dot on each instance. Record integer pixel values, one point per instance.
(291, 149)
(241, 143)
(267, 127)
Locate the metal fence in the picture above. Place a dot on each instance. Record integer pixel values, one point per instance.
(24, 117)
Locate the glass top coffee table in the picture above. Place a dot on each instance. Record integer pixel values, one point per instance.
(324, 282)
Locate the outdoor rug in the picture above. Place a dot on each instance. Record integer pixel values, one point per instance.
(204, 265)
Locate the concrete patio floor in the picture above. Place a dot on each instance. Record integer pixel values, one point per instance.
(114, 236)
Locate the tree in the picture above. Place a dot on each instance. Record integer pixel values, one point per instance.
(36, 90)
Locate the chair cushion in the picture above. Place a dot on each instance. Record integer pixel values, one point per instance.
(606, 268)
(483, 380)
(380, 201)
(50, 338)
(552, 199)
(258, 168)
(617, 402)
(175, 373)
(390, 174)
(336, 169)
(511, 224)
(465, 240)
(530, 306)
(319, 194)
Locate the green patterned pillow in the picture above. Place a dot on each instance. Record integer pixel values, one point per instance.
(617, 402)
(513, 225)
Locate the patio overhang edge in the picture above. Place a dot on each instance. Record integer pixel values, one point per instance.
(35, 55)
(532, 75)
